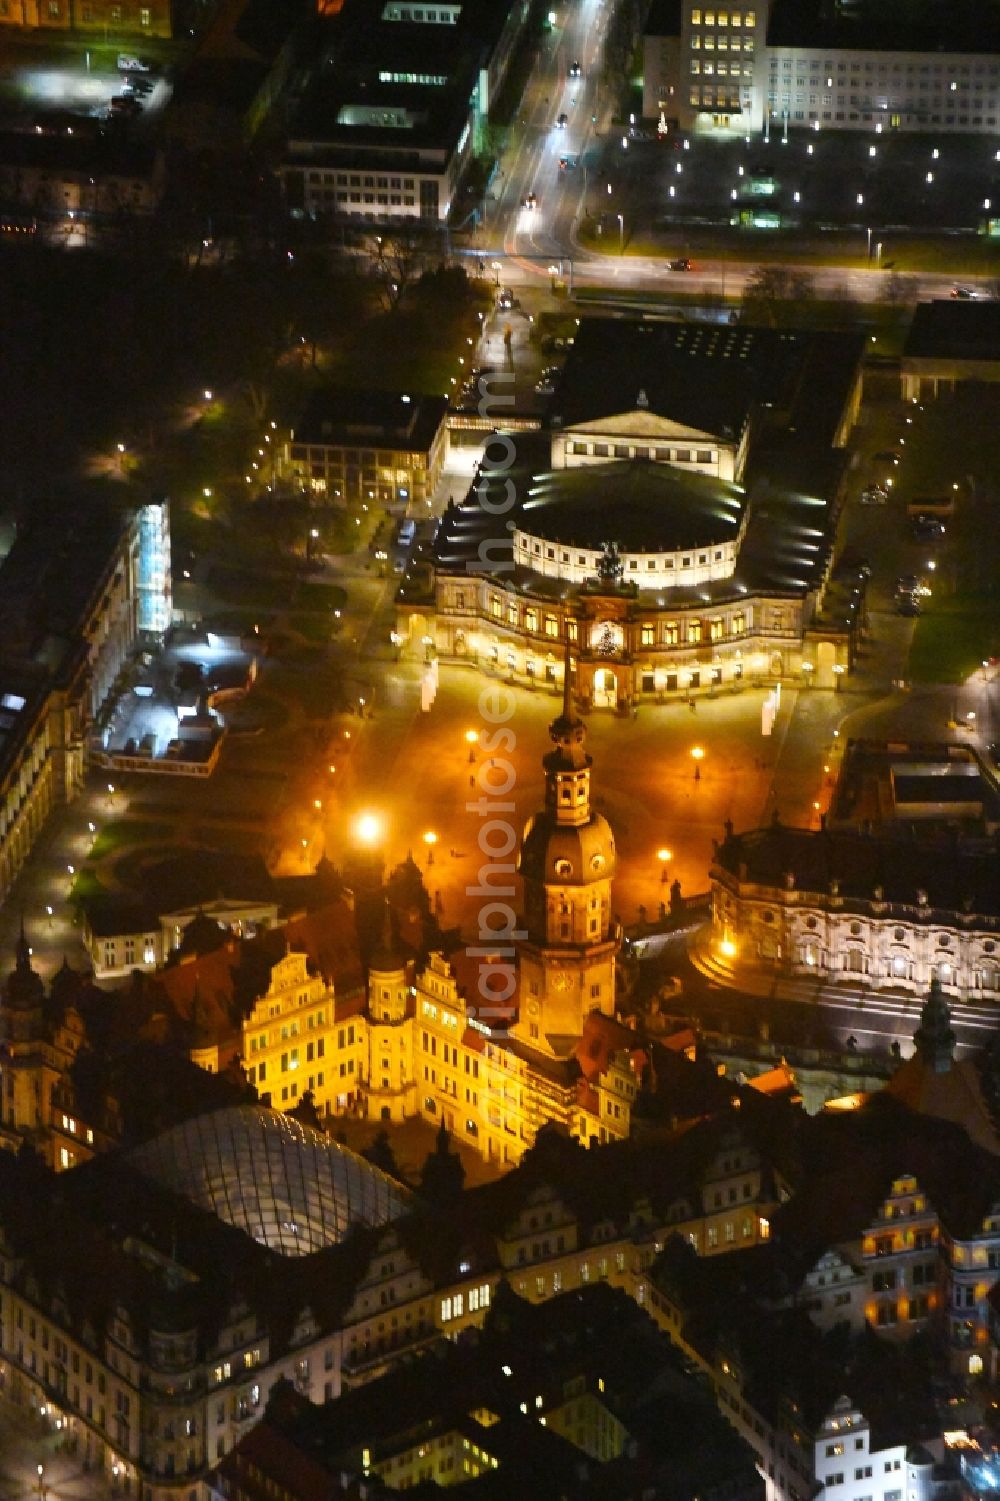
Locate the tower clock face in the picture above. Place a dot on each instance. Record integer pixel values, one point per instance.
(561, 982)
(564, 867)
(533, 1008)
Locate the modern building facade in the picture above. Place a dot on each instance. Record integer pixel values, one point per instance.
(69, 618)
(357, 448)
(399, 108)
(809, 65)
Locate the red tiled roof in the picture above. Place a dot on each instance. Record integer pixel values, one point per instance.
(602, 1037)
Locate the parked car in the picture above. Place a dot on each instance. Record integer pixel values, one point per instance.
(926, 528)
(907, 583)
(993, 751)
(887, 456)
(683, 264)
(909, 605)
(874, 495)
(545, 386)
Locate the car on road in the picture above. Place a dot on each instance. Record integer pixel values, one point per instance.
(575, 70)
(546, 386)
(505, 299)
(874, 495)
(566, 163)
(682, 264)
(965, 294)
(908, 605)
(125, 104)
(887, 456)
(907, 583)
(926, 528)
(529, 201)
(562, 122)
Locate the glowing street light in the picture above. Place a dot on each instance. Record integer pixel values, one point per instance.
(472, 740)
(368, 828)
(430, 839)
(207, 394)
(664, 856)
(697, 756)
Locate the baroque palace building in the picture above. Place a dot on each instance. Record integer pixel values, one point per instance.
(675, 526)
(425, 1042)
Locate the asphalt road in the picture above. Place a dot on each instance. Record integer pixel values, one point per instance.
(528, 241)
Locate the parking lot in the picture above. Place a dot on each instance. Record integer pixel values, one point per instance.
(47, 91)
(816, 182)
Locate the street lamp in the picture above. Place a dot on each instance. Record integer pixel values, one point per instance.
(697, 756)
(42, 1488)
(207, 394)
(368, 829)
(430, 839)
(472, 740)
(664, 856)
(838, 673)
(496, 269)
(621, 233)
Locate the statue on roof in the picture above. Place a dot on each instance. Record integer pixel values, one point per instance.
(610, 565)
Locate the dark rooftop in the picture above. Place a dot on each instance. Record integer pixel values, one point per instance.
(492, 1386)
(954, 330)
(347, 417)
(871, 25)
(711, 377)
(366, 52)
(663, 18)
(955, 877)
(105, 153)
(645, 506)
(783, 550)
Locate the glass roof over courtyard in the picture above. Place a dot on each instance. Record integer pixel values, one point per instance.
(284, 1184)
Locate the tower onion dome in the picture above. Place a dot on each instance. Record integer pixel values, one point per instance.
(567, 843)
(23, 989)
(387, 957)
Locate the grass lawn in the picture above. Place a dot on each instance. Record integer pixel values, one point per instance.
(126, 833)
(417, 346)
(948, 255)
(954, 637)
(314, 596)
(240, 586)
(311, 626)
(86, 887)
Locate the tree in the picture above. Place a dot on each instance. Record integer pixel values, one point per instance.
(442, 1176)
(397, 260)
(380, 1154)
(769, 290)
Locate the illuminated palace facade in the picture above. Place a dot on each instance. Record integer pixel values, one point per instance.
(432, 1042)
(673, 527)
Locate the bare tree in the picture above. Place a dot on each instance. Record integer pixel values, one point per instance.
(397, 260)
(770, 288)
